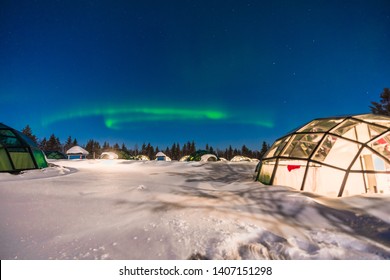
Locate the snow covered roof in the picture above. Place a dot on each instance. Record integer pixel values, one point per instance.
(162, 156)
(77, 150)
(240, 158)
(109, 155)
(209, 157)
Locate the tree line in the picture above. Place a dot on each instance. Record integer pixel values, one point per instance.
(175, 151)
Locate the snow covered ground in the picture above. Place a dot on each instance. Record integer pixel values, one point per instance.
(115, 209)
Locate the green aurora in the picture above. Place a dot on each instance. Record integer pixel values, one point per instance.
(116, 116)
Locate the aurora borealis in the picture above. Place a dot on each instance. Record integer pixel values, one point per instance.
(217, 72)
(116, 117)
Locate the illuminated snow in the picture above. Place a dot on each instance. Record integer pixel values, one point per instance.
(115, 209)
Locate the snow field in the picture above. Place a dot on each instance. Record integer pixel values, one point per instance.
(115, 209)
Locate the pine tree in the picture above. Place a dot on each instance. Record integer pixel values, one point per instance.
(106, 146)
(42, 144)
(75, 143)
(245, 151)
(136, 151)
(59, 145)
(150, 151)
(143, 149)
(229, 155)
(53, 144)
(184, 150)
(192, 147)
(168, 152)
(93, 147)
(89, 147)
(383, 107)
(173, 151)
(178, 151)
(28, 132)
(68, 144)
(124, 148)
(189, 148)
(123, 152)
(221, 153)
(264, 149)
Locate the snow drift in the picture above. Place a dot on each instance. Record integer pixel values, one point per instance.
(115, 209)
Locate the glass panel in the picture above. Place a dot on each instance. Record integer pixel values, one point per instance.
(272, 150)
(382, 145)
(267, 168)
(277, 147)
(18, 149)
(325, 148)
(345, 127)
(303, 145)
(22, 160)
(40, 158)
(357, 131)
(341, 154)
(28, 140)
(375, 130)
(5, 165)
(372, 162)
(9, 141)
(358, 165)
(376, 182)
(6, 132)
(320, 125)
(362, 133)
(375, 119)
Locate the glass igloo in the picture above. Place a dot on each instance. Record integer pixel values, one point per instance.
(18, 152)
(338, 156)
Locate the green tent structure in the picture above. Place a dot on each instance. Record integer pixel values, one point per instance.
(337, 156)
(18, 152)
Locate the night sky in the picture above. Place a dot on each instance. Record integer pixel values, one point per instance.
(216, 72)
